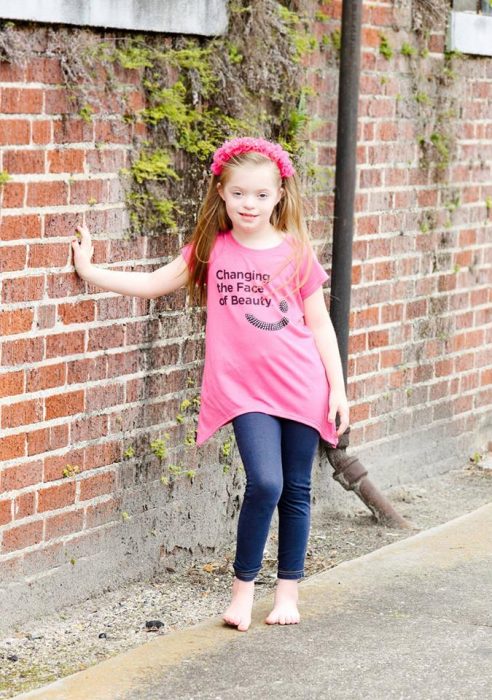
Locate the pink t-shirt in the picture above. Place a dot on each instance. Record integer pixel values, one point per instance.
(259, 354)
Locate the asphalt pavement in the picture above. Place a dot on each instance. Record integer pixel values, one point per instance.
(412, 620)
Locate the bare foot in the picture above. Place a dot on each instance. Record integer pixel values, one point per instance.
(239, 611)
(285, 610)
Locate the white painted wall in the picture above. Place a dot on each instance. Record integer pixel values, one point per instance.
(205, 17)
(470, 33)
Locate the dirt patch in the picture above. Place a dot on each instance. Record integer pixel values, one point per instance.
(44, 650)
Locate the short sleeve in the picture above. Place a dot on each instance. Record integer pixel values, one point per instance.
(186, 252)
(316, 278)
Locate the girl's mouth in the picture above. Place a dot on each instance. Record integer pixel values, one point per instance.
(248, 216)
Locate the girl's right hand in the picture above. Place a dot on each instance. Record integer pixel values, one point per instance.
(82, 249)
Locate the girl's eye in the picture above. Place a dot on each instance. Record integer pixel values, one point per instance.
(263, 195)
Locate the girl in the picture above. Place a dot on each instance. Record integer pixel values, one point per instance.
(272, 365)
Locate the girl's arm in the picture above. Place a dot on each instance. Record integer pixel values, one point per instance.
(319, 322)
(147, 285)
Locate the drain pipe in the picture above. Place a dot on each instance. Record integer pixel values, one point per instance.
(348, 470)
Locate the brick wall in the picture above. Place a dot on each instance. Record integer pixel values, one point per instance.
(420, 359)
(86, 373)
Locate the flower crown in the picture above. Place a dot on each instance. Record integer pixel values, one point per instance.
(245, 144)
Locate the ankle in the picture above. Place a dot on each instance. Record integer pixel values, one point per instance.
(287, 587)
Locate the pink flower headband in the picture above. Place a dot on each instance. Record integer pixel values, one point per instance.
(245, 144)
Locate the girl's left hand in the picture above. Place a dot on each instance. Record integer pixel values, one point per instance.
(338, 404)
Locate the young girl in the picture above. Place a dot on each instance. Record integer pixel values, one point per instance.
(272, 365)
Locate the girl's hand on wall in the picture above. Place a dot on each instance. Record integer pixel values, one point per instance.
(338, 404)
(83, 249)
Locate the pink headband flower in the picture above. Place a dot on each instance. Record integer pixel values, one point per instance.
(245, 144)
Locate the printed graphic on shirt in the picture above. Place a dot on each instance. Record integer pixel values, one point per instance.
(238, 288)
(283, 306)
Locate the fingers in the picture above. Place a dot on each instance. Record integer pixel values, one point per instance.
(83, 240)
(343, 413)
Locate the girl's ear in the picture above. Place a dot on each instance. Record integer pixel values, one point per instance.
(220, 190)
(281, 193)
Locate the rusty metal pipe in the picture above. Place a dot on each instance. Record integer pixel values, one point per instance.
(348, 470)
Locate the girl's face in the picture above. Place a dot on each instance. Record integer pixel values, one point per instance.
(250, 193)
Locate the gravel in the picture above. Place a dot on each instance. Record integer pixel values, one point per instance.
(46, 649)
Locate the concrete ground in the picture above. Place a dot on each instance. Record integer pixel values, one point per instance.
(412, 620)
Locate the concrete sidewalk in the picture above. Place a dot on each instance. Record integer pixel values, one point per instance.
(412, 620)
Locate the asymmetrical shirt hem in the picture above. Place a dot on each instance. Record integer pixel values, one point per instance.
(205, 434)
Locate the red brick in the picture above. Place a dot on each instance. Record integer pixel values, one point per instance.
(62, 224)
(370, 178)
(41, 132)
(22, 289)
(14, 131)
(65, 344)
(381, 16)
(104, 161)
(13, 258)
(57, 102)
(65, 523)
(387, 131)
(367, 224)
(11, 383)
(106, 337)
(113, 131)
(357, 343)
(24, 506)
(24, 161)
(84, 370)
(81, 312)
(43, 194)
(427, 198)
(54, 497)
(13, 195)
(46, 377)
(50, 255)
(54, 466)
(21, 476)
(66, 161)
(12, 447)
(83, 191)
(97, 485)
(64, 284)
(100, 397)
(11, 72)
(5, 511)
(44, 70)
(22, 351)
(12, 227)
(18, 321)
(72, 131)
(64, 404)
(377, 339)
(47, 439)
(22, 413)
(364, 318)
(135, 100)
(17, 538)
(21, 101)
(103, 455)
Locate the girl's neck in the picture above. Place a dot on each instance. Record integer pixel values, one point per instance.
(262, 239)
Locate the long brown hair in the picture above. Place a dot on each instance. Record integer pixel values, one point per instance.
(287, 217)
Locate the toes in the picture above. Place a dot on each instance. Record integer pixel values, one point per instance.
(231, 620)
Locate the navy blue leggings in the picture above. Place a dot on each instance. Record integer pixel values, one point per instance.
(277, 454)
